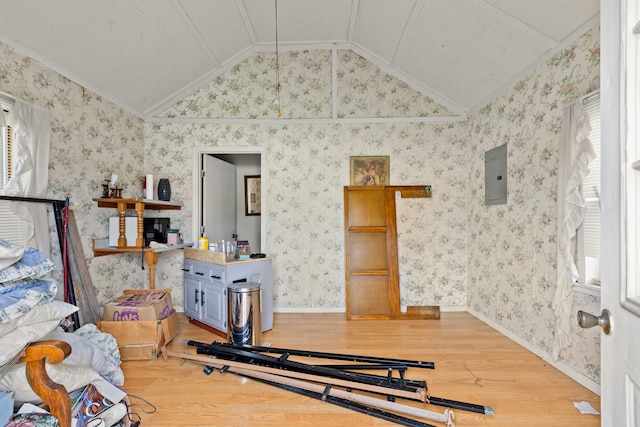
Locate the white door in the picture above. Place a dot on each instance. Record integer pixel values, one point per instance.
(218, 198)
(620, 212)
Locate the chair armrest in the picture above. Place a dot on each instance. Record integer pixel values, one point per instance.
(53, 394)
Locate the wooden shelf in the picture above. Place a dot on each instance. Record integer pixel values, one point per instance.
(101, 246)
(132, 203)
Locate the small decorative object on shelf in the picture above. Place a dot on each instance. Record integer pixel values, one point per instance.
(164, 190)
(105, 188)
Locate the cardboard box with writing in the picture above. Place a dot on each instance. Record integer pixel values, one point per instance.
(145, 338)
(139, 304)
(142, 339)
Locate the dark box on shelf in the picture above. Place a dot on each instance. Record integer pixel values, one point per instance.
(155, 229)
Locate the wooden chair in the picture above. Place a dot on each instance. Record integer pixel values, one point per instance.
(52, 393)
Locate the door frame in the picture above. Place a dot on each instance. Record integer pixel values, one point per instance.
(198, 152)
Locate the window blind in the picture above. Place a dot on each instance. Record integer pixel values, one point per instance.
(12, 228)
(591, 184)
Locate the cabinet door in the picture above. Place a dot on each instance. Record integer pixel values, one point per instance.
(214, 306)
(192, 298)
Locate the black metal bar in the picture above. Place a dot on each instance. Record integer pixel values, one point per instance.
(358, 407)
(388, 378)
(239, 354)
(334, 356)
(381, 366)
(463, 406)
(29, 199)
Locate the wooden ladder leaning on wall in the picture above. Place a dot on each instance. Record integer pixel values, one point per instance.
(371, 253)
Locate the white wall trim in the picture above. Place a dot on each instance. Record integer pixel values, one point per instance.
(593, 290)
(303, 310)
(308, 310)
(559, 365)
(285, 122)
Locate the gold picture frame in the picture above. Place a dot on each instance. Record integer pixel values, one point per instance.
(369, 170)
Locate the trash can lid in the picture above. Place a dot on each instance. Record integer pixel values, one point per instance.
(241, 287)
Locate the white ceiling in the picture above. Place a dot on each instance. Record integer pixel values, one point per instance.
(144, 55)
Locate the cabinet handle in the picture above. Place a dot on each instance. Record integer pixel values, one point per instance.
(196, 296)
(185, 269)
(240, 281)
(201, 297)
(199, 273)
(216, 277)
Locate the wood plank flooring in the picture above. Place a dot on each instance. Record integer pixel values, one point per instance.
(473, 363)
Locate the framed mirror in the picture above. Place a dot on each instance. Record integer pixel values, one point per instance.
(252, 195)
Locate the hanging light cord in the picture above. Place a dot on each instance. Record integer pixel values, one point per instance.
(277, 65)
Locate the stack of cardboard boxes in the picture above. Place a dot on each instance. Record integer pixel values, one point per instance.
(143, 322)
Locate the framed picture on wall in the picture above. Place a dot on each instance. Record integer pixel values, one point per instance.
(252, 195)
(369, 170)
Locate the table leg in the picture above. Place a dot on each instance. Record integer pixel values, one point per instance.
(152, 259)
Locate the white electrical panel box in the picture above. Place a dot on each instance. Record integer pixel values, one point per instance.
(495, 176)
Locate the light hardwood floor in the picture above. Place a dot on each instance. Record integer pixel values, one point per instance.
(473, 363)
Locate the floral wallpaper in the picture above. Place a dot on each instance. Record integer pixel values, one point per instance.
(499, 261)
(512, 247)
(90, 139)
(367, 91)
(248, 90)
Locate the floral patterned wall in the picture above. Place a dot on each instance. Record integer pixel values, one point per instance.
(512, 247)
(248, 90)
(91, 139)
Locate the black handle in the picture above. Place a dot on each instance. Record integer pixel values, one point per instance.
(217, 277)
(199, 273)
(201, 297)
(196, 296)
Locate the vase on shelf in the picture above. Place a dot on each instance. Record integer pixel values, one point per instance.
(164, 190)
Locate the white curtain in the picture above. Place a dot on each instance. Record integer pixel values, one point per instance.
(31, 138)
(576, 152)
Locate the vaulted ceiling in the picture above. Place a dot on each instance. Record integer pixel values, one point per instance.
(144, 55)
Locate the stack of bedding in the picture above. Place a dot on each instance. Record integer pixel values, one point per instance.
(29, 312)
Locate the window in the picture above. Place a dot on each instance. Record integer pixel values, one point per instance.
(12, 228)
(588, 256)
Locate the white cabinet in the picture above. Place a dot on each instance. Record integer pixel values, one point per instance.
(205, 289)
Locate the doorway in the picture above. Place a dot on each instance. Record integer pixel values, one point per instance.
(247, 161)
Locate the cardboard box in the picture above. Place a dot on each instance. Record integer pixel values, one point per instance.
(139, 304)
(144, 339)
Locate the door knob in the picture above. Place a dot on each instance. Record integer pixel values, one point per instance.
(588, 320)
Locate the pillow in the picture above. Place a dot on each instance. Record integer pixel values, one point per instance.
(9, 254)
(109, 347)
(31, 265)
(18, 300)
(13, 343)
(53, 310)
(72, 377)
(85, 352)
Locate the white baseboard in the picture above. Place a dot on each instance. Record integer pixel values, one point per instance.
(342, 309)
(559, 365)
(303, 310)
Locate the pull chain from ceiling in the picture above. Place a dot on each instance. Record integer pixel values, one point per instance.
(278, 87)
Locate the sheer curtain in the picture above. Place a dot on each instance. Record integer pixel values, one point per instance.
(576, 152)
(31, 138)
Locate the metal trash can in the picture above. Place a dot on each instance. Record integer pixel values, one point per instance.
(244, 318)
